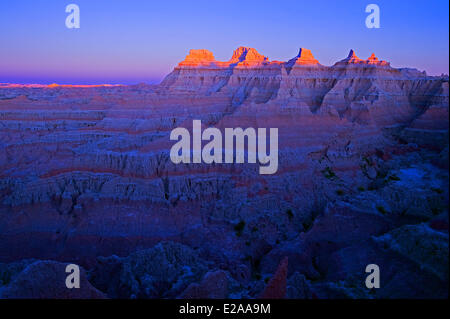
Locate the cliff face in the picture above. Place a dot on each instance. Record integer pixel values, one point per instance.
(85, 170)
(356, 89)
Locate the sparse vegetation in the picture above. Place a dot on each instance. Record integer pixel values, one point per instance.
(365, 159)
(437, 190)
(328, 173)
(381, 174)
(381, 209)
(394, 178)
(290, 214)
(340, 192)
(239, 227)
(307, 225)
(435, 210)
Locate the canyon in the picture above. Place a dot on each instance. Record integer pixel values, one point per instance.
(234, 150)
(86, 178)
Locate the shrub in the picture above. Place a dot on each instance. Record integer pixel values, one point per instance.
(239, 227)
(437, 190)
(290, 214)
(328, 173)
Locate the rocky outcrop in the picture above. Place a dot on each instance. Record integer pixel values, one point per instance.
(47, 280)
(276, 287)
(163, 271)
(197, 58)
(213, 286)
(304, 57)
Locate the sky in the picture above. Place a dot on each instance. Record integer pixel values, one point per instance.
(134, 41)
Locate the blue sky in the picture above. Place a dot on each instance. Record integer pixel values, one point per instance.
(141, 41)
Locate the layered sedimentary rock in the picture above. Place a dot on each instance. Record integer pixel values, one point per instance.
(85, 172)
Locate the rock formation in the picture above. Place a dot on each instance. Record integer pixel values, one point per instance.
(276, 287)
(85, 172)
(197, 58)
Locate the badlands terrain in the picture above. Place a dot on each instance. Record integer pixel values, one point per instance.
(86, 178)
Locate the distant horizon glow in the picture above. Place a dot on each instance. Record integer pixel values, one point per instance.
(135, 41)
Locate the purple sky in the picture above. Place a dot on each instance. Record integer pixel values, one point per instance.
(141, 41)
